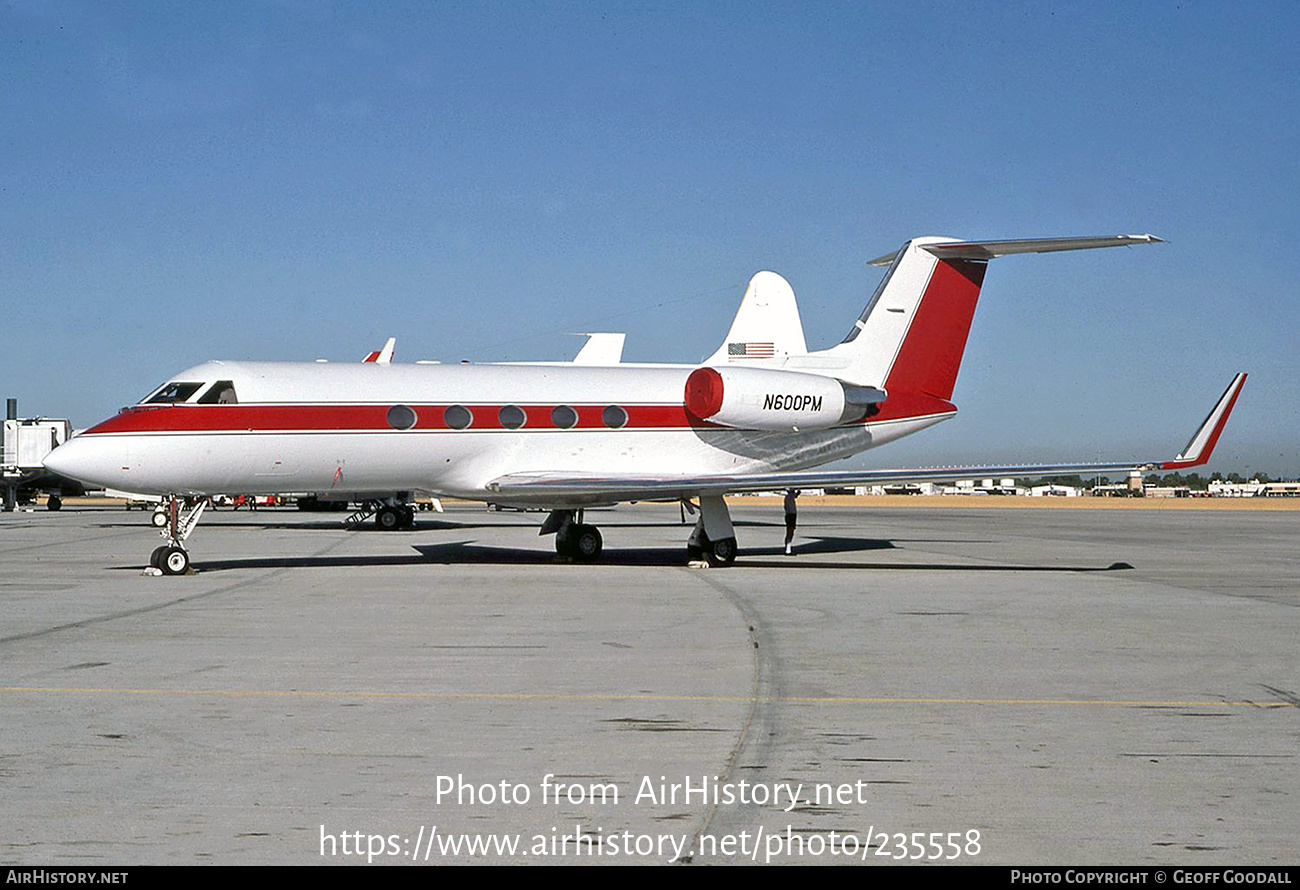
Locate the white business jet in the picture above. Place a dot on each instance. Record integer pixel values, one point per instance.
(756, 415)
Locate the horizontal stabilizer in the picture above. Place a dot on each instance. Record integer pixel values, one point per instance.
(987, 250)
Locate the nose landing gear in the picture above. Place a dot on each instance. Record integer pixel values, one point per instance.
(182, 515)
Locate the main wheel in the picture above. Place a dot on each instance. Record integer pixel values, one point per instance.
(159, 518)
(722, 552)
(155, 558)
(408, 516)
(586, 543)
(174, 561)
(388, 519)
(564, 542)
(54, 503)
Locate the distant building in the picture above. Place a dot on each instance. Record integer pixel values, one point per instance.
(1055, 491)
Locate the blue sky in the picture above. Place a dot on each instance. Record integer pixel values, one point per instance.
(295, 180)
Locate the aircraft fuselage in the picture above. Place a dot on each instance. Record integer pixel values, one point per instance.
(448, 429)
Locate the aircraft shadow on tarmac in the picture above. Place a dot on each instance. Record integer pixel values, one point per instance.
(421, 525)
(334, 525)
(810, 554)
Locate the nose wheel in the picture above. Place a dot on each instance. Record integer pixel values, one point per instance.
(180, 519)
(170, 560)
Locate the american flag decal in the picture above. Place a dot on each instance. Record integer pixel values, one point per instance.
(750, 350)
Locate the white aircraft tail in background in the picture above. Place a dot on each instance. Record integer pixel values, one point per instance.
(767, 328)
(601, 349)
(382, 356)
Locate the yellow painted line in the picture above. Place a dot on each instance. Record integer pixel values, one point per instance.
(577, 696)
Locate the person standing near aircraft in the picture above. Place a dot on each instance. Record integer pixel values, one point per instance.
(791, 519)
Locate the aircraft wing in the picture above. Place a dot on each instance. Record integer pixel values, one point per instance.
(540, 486)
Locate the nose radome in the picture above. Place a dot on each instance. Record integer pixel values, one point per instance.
(84, 460)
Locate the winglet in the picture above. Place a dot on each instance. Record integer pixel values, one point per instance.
(1201, 445)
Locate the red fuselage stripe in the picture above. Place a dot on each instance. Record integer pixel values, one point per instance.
(325, 418)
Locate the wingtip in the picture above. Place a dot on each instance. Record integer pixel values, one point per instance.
(1201, 446)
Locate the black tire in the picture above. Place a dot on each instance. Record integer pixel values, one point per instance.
(586, 543)
(694, 552)
(155, 558)
(408, 516)
(722, 552)
(54, 502)
(159, 518)
(388, 519)
(564, 542)
(174, 561)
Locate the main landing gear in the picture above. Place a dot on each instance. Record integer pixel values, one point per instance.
(182, 515)
(573, 538)
(713, 537)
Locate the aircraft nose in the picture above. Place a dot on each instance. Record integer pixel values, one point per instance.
(85, 460)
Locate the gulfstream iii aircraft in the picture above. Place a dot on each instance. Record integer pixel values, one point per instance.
(757, 415)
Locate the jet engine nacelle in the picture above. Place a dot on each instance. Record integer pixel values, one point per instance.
(764, 399)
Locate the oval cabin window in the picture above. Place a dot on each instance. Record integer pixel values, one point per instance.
(512, 417)
(564, 417)
(401, 417)
(457, 417)
(614, 417)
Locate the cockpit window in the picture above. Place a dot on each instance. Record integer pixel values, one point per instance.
(174, 392)
(221, 393)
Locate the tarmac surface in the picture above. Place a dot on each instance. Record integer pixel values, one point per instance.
(996, 686)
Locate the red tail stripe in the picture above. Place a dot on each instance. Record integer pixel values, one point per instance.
(931, 353)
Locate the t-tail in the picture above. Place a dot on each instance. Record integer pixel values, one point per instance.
(911, 336)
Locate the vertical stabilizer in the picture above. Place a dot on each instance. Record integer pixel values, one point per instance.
(766, 326)
(912, 334)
